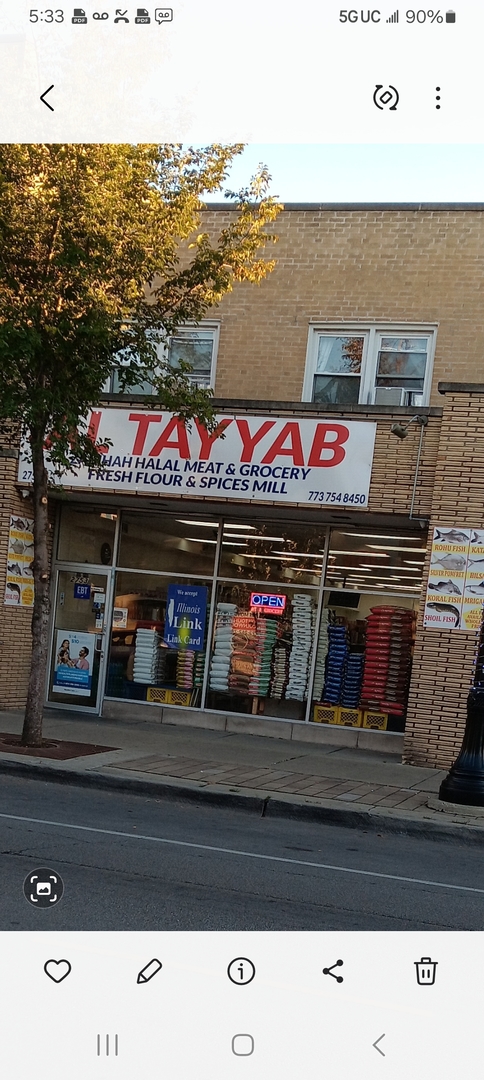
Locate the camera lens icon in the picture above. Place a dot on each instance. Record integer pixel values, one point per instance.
(386, 97)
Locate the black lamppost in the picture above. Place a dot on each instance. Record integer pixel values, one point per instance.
(465, 781)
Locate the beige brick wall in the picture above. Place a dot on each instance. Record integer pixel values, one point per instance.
(444, 659)
(397, 266)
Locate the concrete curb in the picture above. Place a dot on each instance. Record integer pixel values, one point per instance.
(263, 803)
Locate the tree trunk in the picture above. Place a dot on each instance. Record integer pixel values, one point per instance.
(32, 729)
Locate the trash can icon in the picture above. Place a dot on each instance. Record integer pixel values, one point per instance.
(426, 969)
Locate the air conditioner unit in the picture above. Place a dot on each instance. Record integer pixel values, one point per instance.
(389, 395)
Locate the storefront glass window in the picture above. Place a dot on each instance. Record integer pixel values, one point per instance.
(168, 543)
(158, 638)
(262, 647)
(86, 535)
(365, 642)
(292, 554)
(376, 561)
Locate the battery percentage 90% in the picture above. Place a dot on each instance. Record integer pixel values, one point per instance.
(424, 16)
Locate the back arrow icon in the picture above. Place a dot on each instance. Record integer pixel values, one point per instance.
(44, 95)
(375, 1044)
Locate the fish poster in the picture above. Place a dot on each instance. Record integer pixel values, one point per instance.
(19, 586)
(455, 589)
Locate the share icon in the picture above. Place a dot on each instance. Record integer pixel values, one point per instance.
(329, 971)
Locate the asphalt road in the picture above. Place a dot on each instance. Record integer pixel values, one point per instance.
(136, 863)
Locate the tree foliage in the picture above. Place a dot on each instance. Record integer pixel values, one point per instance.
(101, 258)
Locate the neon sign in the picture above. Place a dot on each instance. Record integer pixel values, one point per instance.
(268, 603)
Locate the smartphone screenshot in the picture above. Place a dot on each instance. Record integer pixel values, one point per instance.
(241, 540)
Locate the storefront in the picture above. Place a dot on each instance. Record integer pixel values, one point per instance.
(276, 614)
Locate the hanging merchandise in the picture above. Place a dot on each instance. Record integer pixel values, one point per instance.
(302, 633)
(149, 660)
(390, 634)
(220, 666)
(321, 656)
(335, 663)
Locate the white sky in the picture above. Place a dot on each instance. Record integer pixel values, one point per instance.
(366, 173)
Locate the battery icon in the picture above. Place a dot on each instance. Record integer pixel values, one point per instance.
(450, 16)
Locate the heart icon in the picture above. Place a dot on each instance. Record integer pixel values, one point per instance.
(57, 970)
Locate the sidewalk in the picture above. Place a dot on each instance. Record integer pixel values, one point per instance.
(352, 787)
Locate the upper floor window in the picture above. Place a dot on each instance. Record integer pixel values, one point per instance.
(377, 365)
(196, 346)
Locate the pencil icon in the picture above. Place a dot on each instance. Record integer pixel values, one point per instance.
(149, 970)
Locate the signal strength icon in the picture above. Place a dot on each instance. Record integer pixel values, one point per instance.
(393, 18)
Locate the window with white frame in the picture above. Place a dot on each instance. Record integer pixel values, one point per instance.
(384, 365)
(196, 346)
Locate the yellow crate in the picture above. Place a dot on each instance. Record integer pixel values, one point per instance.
(158, 694)
(376, 720)
(325, 714)
(181, 697)
(349, 717)
(162, 696)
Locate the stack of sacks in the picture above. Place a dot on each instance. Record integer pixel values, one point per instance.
(148, 657)
(184, 669)
(265, 641)
(335, 664)
(352, 677)
(280, 669)
(244, 641)
(302, 624)
(321, 656)
(220, 665)
(388, 656)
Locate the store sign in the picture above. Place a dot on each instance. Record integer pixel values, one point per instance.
(19, 585)
(73, 663)
(455, 589)
(186, 612)
(266, 459)
(268, 603)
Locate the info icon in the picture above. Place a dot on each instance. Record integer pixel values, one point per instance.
(43, 888)
(241, 971)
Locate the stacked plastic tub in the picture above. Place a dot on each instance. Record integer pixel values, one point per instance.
(388, 658)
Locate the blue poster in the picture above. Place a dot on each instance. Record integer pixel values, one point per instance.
(73, 663)
(186, 612)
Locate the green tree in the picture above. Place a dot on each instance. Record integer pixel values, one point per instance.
(102, 257)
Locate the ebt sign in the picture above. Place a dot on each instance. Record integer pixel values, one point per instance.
(274, 459)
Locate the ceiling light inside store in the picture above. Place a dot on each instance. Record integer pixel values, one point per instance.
(414, 562)
(304, 554)
(204, 524)
(395, 548)
(202, 540)
(378, 536)
(354, 569)
(367, 554)
(278, 539)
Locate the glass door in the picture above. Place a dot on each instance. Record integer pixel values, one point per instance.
(77, 660)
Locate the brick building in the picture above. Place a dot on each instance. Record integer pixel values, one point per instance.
(283, 591)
